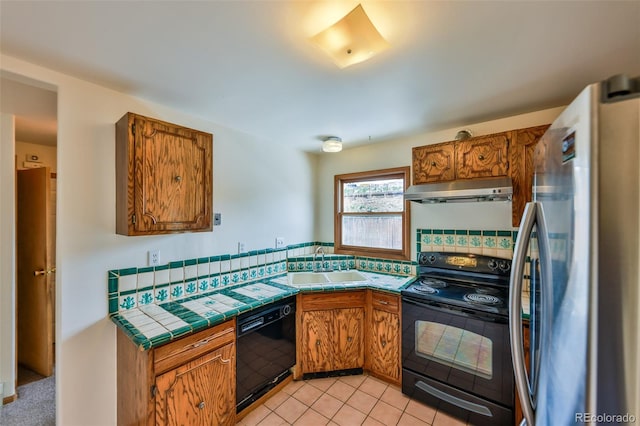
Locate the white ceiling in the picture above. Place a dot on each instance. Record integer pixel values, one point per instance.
(248, 64)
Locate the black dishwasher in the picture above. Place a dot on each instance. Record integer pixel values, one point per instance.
(266, 349)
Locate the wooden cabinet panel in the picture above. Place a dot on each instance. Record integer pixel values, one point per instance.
(164, 177)
(485, 156)
(349, 330)
(316, 341)
(190, 381)
(199, 392)
(384, 344)
(434, 163)
(522, 152)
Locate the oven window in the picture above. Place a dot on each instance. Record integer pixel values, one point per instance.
(454, 347)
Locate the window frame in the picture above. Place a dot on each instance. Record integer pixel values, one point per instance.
(392, 173)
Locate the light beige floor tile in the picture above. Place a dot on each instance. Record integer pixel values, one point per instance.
(273, 420)
(327, 405)
(409, 420)
(362, 401)
(291, 409)
(311, 418)
(322, 384)
(307, 394)
(370, 421)
(385, 413)
(349, 416)
(354, 381)
(420, 411)
(394, 396)
(292, 387)
(341, 390)
(444, 419)
(254, 417)
(275, 401)
(373, 387)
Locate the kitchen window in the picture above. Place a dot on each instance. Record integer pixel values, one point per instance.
(371, 216)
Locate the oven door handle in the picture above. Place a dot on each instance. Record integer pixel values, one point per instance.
(527, 223)
(458, 402)
(452, 310)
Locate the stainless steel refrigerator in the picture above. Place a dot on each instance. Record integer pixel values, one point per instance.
(576, 255)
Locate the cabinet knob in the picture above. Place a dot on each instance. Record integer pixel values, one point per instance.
(480, 157)
(384, 343)
(318, 343)
(201, 405)
(433, 164)
(349, 339)
(178, 178)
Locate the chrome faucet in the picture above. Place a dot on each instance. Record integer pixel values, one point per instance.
(322, 268)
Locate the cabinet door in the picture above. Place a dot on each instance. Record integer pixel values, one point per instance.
(384, 344)
(172, 177)
(316, 341)
(201, 392)
(483, 157)
(433, 163)
(348, 352)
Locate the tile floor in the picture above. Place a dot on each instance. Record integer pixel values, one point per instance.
(344, 401)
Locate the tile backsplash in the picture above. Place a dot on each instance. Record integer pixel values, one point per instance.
(134, 287)
(497, 243)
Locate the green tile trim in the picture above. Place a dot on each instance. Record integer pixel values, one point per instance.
(475, 232)
(145, 269)
(489, 233)
(462, 232)
(436, 231)
(128, 271)
(190, 262)
(449, 232)
(504, 233)
(161, 268)
(203, 260)
(176, 264)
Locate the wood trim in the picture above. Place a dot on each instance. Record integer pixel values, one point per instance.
(405, 252)
(9, 399)
(241, 415)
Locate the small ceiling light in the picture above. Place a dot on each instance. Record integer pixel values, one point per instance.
(463, 135)
(351, 40)
(332, 144)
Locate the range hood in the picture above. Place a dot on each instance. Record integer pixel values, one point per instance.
(463, 190)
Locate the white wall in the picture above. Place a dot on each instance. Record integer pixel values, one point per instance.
(261, 189)
(7, 256)
(397, 153)
(47, 154)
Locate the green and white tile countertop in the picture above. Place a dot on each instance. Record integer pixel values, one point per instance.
(154, 324)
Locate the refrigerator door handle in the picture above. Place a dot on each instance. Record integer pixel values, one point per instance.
(515, 310)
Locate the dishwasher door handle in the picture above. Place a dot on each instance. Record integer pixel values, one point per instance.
(251, 325)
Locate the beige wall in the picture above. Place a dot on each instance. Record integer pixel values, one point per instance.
(397, 153)
(262, 190)
(47, 154)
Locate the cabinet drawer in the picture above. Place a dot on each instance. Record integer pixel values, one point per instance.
(340, 299)
(180, 351)
(434, 163)
(385, 301)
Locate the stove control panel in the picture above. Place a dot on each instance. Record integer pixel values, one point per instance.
(466, 262)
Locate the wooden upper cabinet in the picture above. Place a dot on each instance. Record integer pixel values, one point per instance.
(434, 163)
(522, 153)
(485, 156)
(164, 177)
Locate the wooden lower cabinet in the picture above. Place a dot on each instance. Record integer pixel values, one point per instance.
(384, 336)
(331, 331)
(189, 381)
(335, 328)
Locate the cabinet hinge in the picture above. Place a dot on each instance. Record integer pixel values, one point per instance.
(133, 219)
(154, 391)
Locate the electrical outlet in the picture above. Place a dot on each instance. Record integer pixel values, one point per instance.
(217, 219)
(154, 257)
(279, 242)
(241, 247)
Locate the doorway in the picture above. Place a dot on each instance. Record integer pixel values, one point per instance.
(32, 106)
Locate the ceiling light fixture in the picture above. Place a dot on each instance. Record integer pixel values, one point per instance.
(463, 135)
(332, 144)
(352, 39)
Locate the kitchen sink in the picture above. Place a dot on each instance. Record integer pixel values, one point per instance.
(311, 278)
(344, 276)
(301, 278)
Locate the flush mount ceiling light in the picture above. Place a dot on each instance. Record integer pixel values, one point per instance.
(351, 40)
(463, 135)
(332, 144)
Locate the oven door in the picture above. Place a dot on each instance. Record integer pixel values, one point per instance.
(465, 350)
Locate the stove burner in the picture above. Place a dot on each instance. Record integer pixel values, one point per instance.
(484, 299)
(433, 283)
(486, 290)
(424, 288)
